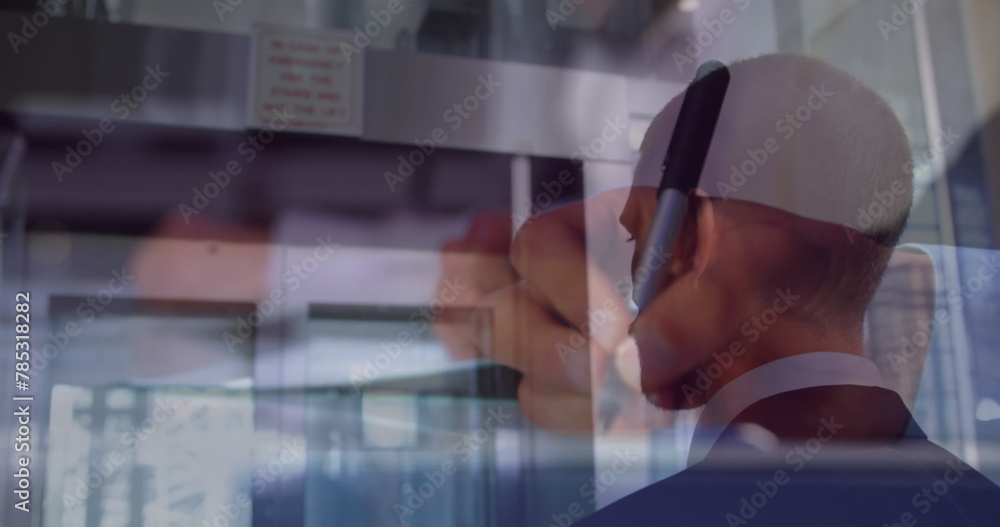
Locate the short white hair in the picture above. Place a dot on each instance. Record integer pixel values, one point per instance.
(838, 153)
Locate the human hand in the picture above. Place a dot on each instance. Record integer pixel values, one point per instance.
(556, 296)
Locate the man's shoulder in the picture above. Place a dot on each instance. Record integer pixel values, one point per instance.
(881, 486)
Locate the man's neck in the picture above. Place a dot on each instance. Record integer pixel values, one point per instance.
(786, 341)
(800, 371)
(805, 371)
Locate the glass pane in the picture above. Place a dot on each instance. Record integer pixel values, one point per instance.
(386, 262)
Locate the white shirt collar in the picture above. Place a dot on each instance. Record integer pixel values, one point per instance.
(797, 372)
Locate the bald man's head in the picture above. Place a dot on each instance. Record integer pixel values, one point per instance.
(803, 137)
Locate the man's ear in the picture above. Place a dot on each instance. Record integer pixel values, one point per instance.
(699, 240)
(706, 244)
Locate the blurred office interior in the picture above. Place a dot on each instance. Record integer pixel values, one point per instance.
(341, 405)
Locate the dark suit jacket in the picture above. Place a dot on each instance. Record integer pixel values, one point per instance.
(23, 5)
(848, 456)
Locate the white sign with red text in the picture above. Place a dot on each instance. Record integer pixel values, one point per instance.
(305, 74)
